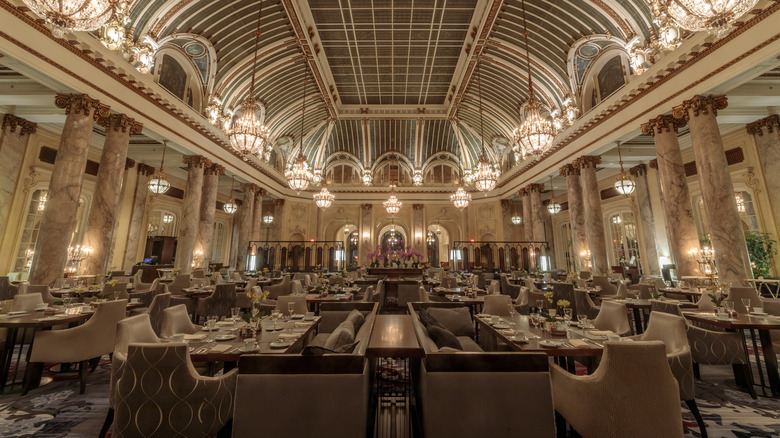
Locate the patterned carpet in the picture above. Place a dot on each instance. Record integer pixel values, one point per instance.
(57, 409)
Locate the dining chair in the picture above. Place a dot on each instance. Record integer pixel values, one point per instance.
(424, 297)
(277, 290)
(632, 393)
(159, 303)
(737, 294)
(184, 403)
(88, 341)
(584, 304)
(296, 288)
(219, 303)
(565, 291)
(180, 282)
(115, 291)
(613, 316)
(26, 302)
(512, 290)
(300, 304)
(176, 320)
(42, 289)
(606, 287)
(497, 305)
(449, 282)
(198, 273)
(585, 275)
(368, 295)
(670, 329)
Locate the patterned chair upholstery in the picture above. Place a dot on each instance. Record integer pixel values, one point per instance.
(497, 305)
(277, 290)
(159, 393)
(219, 302)
(633, 385)
(176, 320)
(584, 305)
(613, 316)
(159, 303)
(670, 329)
(606, 287)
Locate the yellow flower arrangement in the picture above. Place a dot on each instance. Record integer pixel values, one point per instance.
(257, 295)
(549, 296)
(564, 303)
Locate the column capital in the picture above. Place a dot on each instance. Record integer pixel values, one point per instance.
(418, 206)
(653, 164)
(129, 163)
(120, 122)
(770, 123)
(586, 161)
(193, 161)
(700, 105)
(278, 203)
(523, 192)
(79, 103)
(214, 169)
(638, 170)
(366, 207)
(261, 193)
(248, 188)
(26, 126)
(664, 122)
(531, 188)
(568, 170)
(145, 169)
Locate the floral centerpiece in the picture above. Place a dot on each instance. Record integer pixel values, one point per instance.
(572, 277)
(374, 256)
(719, 293)
(412, 256)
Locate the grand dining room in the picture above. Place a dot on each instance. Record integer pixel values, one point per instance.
(385, 218)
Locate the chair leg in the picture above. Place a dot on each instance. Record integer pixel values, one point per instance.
(743, 375)
(93, 364)
(32, 376)
(696, 373)
(83, 371)
(107, 423)
(700, 421)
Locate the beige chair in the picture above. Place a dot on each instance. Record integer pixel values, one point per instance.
(606, 287)
(584, 304)
(116, 291)
(670, 329)
(277, 290)
(296, 288)
(26, 302)
(424, 297)
(184, 403)
(176, 320)
(449, 282)
(219, 303)
(283, 306)
(497, 305)
(90, 340)
(46, 296)
(243, 300)
(736, 294)
(146, 287)
(512, 290)
(198, 273)
(368, 295)
(632, 393)
(621, 292)
(159, 303)
(613, 316)
(494, 288)
(180, 282)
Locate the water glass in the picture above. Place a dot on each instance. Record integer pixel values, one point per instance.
(211, 323)
(567, 315)
(291, 308)
(746, 303)
(234, 312)
(729, 305)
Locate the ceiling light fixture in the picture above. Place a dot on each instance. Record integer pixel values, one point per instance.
(517, 219)
(247, 134)
(367, 177)
(537, 133)
(553, 207)
(715, 16)
(740, 202)
(298, 175)
(485, 176)
(624, 184)
(392, 205)
(417, 179)
(159, 184)
(324, 198)
(430, 239)
(76, 15)
(231, 207)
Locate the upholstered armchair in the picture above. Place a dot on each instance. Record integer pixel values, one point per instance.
(621, 292)
(296, 288)
(449, 282)
(606, 287)
(670, 329)
(565, 291)
(423, 295)
(300, 304)
(219, 302)
(613, 316)
(277, 290)
(26, 302)
(497, 305)
(183, 403)
(80, 344)
(180, 282)
(509, 289)
(116, 291)
(176, 320)
(632, 393)
(584, 304)
(736, 294)
(243, 300)
(368, 295)
(159, 303)
(146, 287)
(494, 288)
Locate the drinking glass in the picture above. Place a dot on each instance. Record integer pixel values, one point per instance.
(211, 323)
(66, 299)
(291, 308)
(582, 320)
(275, 315)
(539, 304)
(234, 312)
(729, 305)
(746, 303)
(567, 315)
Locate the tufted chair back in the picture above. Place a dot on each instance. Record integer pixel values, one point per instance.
(219, 302)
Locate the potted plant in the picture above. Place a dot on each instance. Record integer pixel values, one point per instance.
(761, 250)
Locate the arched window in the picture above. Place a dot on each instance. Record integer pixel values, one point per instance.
(343, 173)
(218, 242)
(162, 223)
(624, 243)
(390, 172)
(440, 174)
(176, 71)
(608, 74)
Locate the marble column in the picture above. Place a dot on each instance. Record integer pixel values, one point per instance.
(190, 216)
(257, 216)
(234, 230)
(208, 207)
(591, 207)
(245, 223)
(579, 239)
(59, 217)
(506, 219)
(720, 205)
(135, 230)
(104, 210)
(681, 228)
(537, 210)
(418, 228)
(528, 226)
(365, 232)
(278, 218)
(646, 221)
(14, 136)
(766, 133)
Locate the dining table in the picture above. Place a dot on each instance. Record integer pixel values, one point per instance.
(313, 300)
(752, 323)
(693, 294)
(640, 310)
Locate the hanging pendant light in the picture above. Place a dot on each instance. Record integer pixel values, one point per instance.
(247, 134)
(231, 207)
(704, 15)
(740, 202)
(298, 175)
(537, 133)
(485, 176)
(461, 198)
(159, 184)
(76, 15)
(553, 207)
(430, 239)
(324, 198)
(516, 219)
(392, 205)
(624, 184)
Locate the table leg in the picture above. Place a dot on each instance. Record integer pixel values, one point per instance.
(638, 320)
(771, 361)
(758, 361)
(5, 359)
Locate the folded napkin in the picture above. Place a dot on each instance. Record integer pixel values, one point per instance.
(507, 332)
(195, 337)
(224, 323)
(303, 323)
(601, 332)
(220, 348)
(578, 343)
(289, 335)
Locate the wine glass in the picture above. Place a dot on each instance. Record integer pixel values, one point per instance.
(567, 315)
(275, 316)
(291, 308)
(583, 319)
(729, 305)
(66, 299)
(539, 304)
(211, 323)
(235, 311)
(745, 302)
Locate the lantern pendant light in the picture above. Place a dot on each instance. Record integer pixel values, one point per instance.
(159, 184)
(624, 184)
(553, 207)
(231, 207)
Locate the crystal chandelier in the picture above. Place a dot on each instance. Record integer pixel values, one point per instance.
(167, 218)
(516, 219)
(461, 197)
(324, 198)
(537, 133)
(553, 207)
(740, 202)
(624, 184)
(367, 177)
(704, 15)
(75, 15)
(417, 179)
(430, 239)
(298, 175)
(230, 207)
(392, 205)
(159, 184)
(247, 134)
(485, 177)
(268, 219)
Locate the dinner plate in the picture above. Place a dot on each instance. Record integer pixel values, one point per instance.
(225, 337)
(758, 313)
(520, 340)
(500, 326)
(243, 349)
(281, 344)
(206, 329)
(297, 316)
(548, 344)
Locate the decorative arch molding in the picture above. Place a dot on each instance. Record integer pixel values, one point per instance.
(194, 85)
(211, 53)
(441, 158)
(586, 95)
(337, 158)
(388, 157)
(602, 42)
(399, 228)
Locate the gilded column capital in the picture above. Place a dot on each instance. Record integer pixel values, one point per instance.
(587, 161)
(523, 192)
(653, 164)
(664, 122)
(261, 193)
(366, 207)
(26, 127)
(214, 169)
(145, 169)
(770, 123)
(531, 188)
(120, 122)
(129, 163)
(249, 188)
(278, 203)
(418, 206)
(638, 170)
(193, 161)
(700, 105)
(568, 170)
(81, 103)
